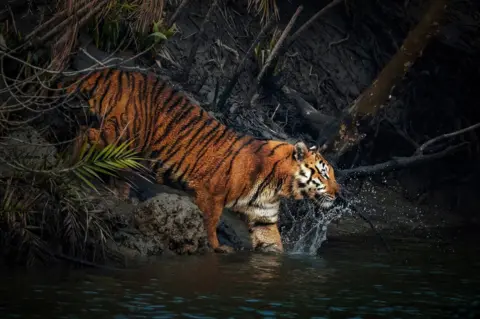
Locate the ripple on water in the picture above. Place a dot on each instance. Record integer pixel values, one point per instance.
(342, 284)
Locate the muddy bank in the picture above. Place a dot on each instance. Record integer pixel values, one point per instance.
(330, 65)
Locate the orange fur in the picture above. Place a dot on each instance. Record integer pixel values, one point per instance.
(193, 151)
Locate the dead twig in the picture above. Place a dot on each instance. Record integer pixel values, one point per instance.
(397, 162)
(176, 13)
(307, 24)
(198, 39)
(91, 8)
(273, 55)
(428, 143)
(238, 70)
(59, 15)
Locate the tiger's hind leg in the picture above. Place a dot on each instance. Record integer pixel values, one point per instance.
(86, 135)
(212, 209)
(121, 188)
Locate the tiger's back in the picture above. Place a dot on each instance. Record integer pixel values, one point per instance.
(190, 149)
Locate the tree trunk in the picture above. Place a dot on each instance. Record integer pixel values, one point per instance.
(374, 98)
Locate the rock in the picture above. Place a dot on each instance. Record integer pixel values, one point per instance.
(233, 231)
(166, 223)
(170, 223)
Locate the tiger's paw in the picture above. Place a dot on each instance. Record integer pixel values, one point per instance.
(224, 249)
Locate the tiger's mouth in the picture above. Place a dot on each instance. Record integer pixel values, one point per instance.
(324, 201)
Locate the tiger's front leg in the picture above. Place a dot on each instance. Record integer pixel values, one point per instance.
(265, 237)
(212, 210)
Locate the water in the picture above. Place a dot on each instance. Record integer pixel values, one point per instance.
(346, 281)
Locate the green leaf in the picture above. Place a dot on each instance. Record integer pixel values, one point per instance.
(158, 35)
(80, 176)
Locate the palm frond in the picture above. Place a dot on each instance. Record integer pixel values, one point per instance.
(108, 160)
(265, 8)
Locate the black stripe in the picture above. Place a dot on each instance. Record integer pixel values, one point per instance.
(206, 141)
(148, 119)
(191, 123)
(155, 115)
(302, 173)
(93, 89)
(186, 147)
(209, 142)
(311, 175)
(227, 152)
(260, 147)
(159, 91)
(99, 106)
(186, 151)
(227, 174)
(266, 181)
(139, 119)
(225, 200)
(173, 94)
(239, 196)
(171, 149)
(278, 146)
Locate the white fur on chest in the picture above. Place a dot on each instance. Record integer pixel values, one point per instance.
(263, 209)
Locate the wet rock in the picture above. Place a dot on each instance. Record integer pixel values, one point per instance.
(232, 231)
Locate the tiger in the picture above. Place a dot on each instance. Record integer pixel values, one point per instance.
(190, 150)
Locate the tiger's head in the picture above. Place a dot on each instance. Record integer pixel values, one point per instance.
(314, 177)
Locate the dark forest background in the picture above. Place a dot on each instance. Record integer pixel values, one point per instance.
(387, 89)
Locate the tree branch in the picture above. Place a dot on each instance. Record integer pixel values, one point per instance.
(397, 162)
(314, 117)
(274, 53)
(373, 98)
(238, 70)
(176, 13)
(425, 145)
(307, 24)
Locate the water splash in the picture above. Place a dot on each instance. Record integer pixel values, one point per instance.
(305, 226)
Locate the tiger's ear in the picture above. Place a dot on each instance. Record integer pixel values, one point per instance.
(300, 151)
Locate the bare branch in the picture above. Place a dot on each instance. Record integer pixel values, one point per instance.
(425, 145)
(60, 15)
(308, 112)
(279, 43)
(177, 13)
(397, 162)
(238, 70)
(307, 24)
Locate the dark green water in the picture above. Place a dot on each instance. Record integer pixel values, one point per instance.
(347, 281)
